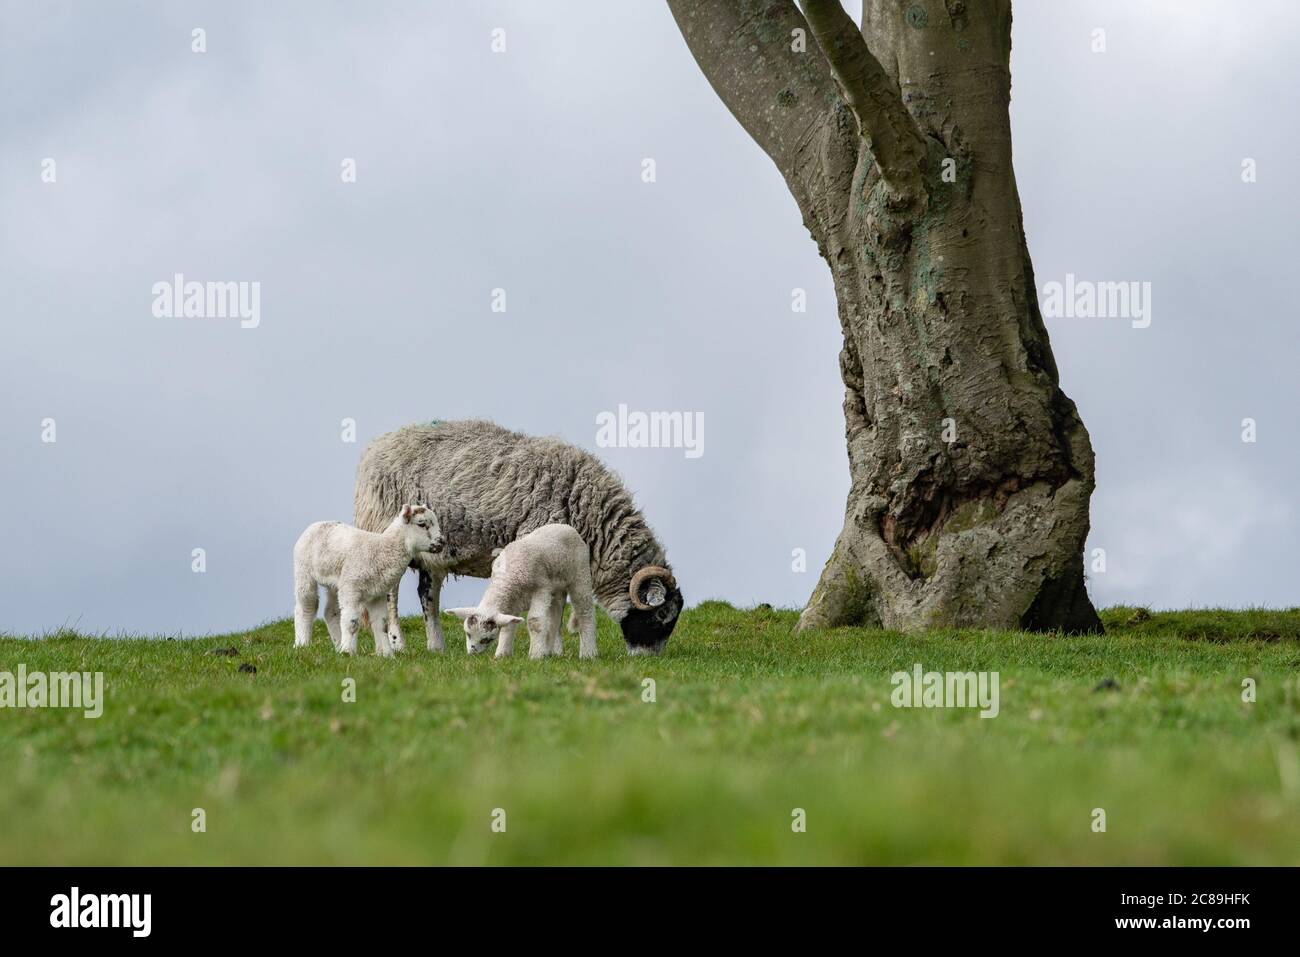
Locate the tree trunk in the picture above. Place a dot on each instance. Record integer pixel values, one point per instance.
(971, 470)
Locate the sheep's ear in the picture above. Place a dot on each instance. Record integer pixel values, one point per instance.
(406, 513)
(504, 620)
(461, 612)
(497, 551)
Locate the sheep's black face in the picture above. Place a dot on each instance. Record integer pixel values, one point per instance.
(646, 631)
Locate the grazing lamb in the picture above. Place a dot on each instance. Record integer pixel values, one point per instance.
(531, 576)
(358, 569)
(490, 486)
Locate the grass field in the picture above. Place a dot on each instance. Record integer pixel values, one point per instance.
(750, 722)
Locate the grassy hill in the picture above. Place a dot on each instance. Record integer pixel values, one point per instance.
(749, 722)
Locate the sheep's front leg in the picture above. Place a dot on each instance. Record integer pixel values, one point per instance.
(305, 602)
(350, 621)
(584, 610)
(555, 645)
(429, 589)
(378, 625)
(539, 625)
(506, 643)
(395, 638)
(332, 616)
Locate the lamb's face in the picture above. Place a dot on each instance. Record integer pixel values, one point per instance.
(646, 630)
(481, 633)
(423, 536)
(481, 630)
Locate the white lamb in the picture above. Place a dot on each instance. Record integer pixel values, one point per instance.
(530, 577)
(358, 569)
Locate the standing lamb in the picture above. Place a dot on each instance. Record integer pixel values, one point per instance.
(492, 486)
(358, 569)
(530, 577)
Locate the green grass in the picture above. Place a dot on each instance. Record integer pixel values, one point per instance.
(751, 721)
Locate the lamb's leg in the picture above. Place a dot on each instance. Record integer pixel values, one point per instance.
(305, 602)
(506, 643)
(394, 623)
(378, 614)
(539, 625)
(332, 616)
(350, 620)
(556, 621)
(584, 610)
(430, 592)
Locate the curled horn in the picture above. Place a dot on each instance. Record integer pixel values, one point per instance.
(639, 579)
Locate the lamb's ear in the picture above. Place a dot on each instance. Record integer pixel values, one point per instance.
(407, 511)
(497, 551)
(461, 612)
(504, 620)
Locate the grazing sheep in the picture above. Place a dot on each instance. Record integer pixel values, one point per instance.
(489, 486)
(531, 576)
(358, 568)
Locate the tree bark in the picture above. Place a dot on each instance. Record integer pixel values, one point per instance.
(971, 470)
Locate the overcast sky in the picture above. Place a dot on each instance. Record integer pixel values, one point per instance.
(522, 171)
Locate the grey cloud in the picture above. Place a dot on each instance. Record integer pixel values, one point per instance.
(522, 171)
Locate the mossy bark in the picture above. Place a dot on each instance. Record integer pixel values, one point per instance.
(971, 470)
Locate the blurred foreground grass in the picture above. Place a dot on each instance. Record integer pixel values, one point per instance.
(750, 721)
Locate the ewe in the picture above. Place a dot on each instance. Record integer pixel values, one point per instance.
(358, 569)
(532, 575)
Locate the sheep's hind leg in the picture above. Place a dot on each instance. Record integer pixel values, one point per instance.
(332, 616)
(430, 592)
